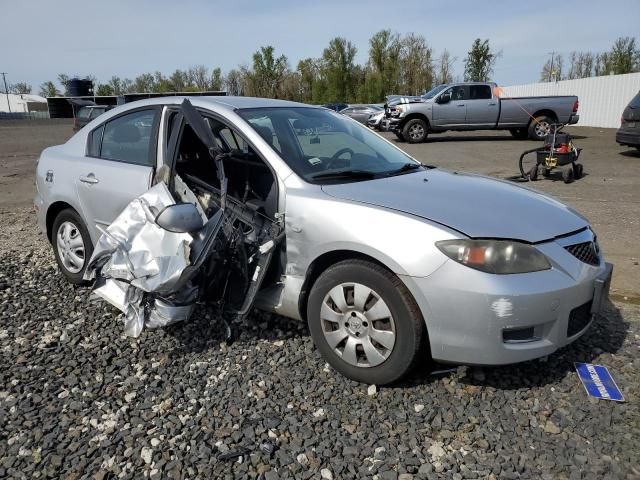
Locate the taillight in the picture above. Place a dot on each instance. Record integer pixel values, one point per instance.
(575, 106)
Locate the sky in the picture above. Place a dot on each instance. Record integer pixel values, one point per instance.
(41, 38)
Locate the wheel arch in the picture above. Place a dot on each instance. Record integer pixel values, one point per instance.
(419, 116)
(544, 112)
(52, 212)
(322, 263)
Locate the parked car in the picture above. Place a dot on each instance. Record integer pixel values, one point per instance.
(336, 107)
(376, 121)
(476, 106)
(629, 132)
(87, 113)
(380, 254)
(361, 113)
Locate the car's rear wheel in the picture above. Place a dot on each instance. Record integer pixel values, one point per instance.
(364, 322)
(539, 127)
(415, 130)
(71, 245)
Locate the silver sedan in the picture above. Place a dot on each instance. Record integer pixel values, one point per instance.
(388, 260)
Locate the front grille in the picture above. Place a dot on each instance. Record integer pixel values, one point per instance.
(586, 252)
(579, 318)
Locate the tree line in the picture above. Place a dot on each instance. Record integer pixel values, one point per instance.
(404, 64)
(623, 57)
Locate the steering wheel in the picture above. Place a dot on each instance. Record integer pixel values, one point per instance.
(338, 154)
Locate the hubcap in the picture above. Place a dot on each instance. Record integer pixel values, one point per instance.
(416, 131)
(70, 247)
(358, 325)
(542, 129)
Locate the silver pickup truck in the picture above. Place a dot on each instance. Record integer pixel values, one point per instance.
(477, 106)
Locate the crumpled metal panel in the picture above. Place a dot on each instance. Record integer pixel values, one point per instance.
(135, 256)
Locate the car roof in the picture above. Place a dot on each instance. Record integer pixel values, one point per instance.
(228, 102)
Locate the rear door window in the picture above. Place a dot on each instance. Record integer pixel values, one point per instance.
(131, 138)
(84, 113)
(479, 92)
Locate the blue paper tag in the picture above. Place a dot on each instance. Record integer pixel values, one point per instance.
(598, 382)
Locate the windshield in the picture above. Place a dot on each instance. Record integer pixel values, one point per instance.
(322, 146)
(434, 91)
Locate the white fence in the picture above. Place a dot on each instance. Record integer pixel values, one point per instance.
(602, 99)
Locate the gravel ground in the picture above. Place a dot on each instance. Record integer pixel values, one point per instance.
(79, 399)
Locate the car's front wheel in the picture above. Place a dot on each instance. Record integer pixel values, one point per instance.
(364, 322)
(415, 130)
(71, 245)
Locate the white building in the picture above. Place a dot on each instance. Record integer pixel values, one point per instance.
(21, 103)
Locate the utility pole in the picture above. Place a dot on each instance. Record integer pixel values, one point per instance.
(6, 90)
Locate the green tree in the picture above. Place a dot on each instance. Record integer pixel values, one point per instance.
(144, 83)
(234, 82)
(217, 79)
(384, 62)
(48, 89)
(338, 66)
(20, 88)
(624, 56)
(417, 64)
(268, 73)
(104, 89)
(63, 79)
(480, 61)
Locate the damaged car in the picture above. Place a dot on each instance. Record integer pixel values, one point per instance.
(245, 202)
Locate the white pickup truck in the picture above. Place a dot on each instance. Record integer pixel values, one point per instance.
(477, 106)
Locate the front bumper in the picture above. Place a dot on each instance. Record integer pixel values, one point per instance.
(482, 319)
(630, 138)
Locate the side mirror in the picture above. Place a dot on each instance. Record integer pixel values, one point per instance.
(444, 98)
(180, 218)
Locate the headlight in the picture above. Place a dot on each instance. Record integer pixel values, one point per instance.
(495, 256)
(399, 109)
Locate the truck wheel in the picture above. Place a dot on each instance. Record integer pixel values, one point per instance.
(539, 127)
(567, 173)
(578, 170)
(364, 322)
(71, 245)
(519, 133)
(415, 130)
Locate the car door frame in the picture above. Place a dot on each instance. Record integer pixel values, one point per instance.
(457, 106)
(84, 184)
(476, 105)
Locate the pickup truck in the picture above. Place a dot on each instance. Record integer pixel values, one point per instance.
(477, 106)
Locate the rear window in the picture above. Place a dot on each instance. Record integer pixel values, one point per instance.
(635, 102)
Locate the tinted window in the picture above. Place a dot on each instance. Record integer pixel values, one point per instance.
(635, 102)
(479, 92)
(95, 138)
(129, 138)
(83, 113)
(96, 112)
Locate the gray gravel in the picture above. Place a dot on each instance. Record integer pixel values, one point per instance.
(79, 399)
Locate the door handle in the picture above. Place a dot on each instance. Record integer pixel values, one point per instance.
(91, 178)
(492, 104)
(461, 104)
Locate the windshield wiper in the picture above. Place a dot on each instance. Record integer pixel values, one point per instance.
(350, 174)
(407, 167)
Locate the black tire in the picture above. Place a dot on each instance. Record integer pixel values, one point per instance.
(567, 173)
(538, 126)
(533, 173)
(415, 130)
(519, 133)
(399, 135)
(578, 171)
(407, 319)
(70, 216)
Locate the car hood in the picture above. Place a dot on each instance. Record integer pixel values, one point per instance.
(477, 206)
